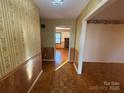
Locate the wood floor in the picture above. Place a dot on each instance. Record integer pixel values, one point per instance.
(61, 56)
(96, 78)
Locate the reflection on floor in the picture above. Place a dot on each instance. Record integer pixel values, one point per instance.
(61, 56)
(96, 78)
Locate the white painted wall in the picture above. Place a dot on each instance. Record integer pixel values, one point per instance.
(104, 43)
(48, 33)
(65, 35)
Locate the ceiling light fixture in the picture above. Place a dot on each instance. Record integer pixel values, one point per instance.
(57, 2)
(63, 28)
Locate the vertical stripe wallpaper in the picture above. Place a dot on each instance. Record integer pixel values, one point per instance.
(19, 33)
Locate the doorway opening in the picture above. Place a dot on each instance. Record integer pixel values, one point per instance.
(62, 39)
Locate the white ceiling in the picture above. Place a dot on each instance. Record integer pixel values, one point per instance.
(112, 12)
(69, 10)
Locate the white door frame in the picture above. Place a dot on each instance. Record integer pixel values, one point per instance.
(99, 7)
(55, 42)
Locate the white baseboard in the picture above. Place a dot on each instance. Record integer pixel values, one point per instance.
(75, 67)
(35, 82)
(61, 65)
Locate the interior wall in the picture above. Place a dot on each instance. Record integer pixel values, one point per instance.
(104, 43)
(49, 30)
(48, 35)
(65, 35)
(19, 33)
(91, 5)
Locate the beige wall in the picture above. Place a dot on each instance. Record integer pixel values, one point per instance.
(91, 5)
(104, 43)
(19, 33)
(64, 35)
(48, 33)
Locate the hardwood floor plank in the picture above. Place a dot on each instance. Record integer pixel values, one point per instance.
(93, 79)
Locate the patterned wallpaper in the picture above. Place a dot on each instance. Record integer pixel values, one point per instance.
(19, 33)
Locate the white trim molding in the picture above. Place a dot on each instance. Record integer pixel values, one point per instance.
(75, 67)
(100, 6)
(35, 82)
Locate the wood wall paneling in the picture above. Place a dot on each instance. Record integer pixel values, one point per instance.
(48, 53)
(19, 41)
(22, 78)
(76, 57)
(72, 54)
